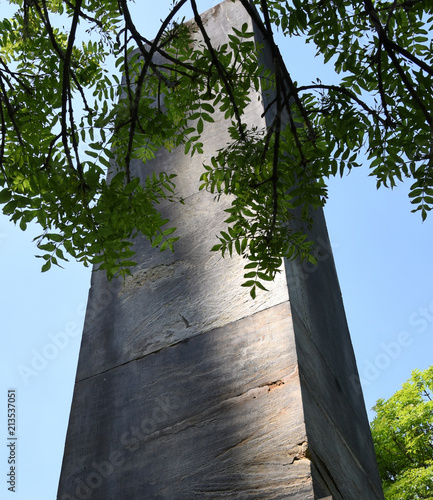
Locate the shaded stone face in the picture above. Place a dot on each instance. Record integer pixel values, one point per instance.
(187, 388)
(215, 415)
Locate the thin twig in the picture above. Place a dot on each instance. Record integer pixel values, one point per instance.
(349, 93)
(380, 83)
(85, 16)
(10, 112)
(148, 61)
(220, 69)
(66, 92)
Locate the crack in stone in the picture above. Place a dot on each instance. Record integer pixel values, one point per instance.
(156, 351)
(209, 410)
(187, 324)
(241, 442)
(200, 419)
(303, 452)
(271, 385)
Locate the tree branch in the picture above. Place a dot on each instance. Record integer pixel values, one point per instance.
(10, 111)
(349, 94)
(391, 48)
(220, 69)
(147, 62)
(66, 93)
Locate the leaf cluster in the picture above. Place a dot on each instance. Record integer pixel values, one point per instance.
(383, 50)
(403, 437)
(53, 73)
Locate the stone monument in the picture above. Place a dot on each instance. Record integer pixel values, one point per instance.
(186, 388)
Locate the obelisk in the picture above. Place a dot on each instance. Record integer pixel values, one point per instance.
(186, 388)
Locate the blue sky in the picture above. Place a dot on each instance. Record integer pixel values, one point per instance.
(383, 259)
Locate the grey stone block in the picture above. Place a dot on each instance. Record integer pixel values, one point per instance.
(187, 389)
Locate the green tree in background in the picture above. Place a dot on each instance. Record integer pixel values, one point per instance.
(403, 438)
(63, 115)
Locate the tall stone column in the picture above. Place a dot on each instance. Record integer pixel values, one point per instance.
(186, 388)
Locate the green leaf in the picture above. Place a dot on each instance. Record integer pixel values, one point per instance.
(168, 231)
(207, 118)
(5, 195)
(54, 237)
(131, 186)
(46, 267)
(264, 276)
(248, 283)
(207, 107)
(157, 240)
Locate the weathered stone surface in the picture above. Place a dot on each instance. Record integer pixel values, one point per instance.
(187, 389)
(339, 438)
(177, 295)
(171, 296)
(217, 416)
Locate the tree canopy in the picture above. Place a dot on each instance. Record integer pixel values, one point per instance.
(64, 118)
(403, 438)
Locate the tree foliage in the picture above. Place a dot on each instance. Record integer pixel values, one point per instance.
(65, 119)
(403, 437)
